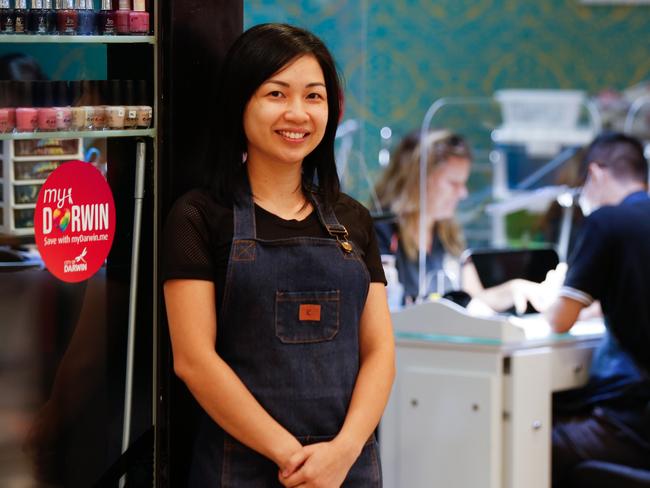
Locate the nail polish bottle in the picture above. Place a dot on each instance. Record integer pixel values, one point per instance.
(115, 111)
(87, 17)
(37, 18)
(67, 18)
(5, 109)
(106, 19)
(87, 103)
(122, 16)
(51, 16)
(139, 18)
(8, 104)
(12, 101)
(20, 17)
(45, 104)
(100, 103)
(26, 113)
(76, 102)
(145, 112)
(62, 105)
(130, 108)
(7, 17)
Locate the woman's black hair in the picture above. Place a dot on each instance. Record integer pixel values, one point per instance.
(255, 56)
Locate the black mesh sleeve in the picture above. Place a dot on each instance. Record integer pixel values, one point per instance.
(187, 245)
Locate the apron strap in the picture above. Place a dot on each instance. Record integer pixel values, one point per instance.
(328, 218)
(243, 213)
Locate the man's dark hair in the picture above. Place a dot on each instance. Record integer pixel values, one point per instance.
(255, 56)
(620, 153)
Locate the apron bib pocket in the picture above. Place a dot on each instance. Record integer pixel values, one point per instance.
(306, 316)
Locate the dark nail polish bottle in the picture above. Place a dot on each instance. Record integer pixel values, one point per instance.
(87, 17)
(106, 19)
(37, 18)
(7, 17)
(20, 17)
(67, 18)
(51, 16)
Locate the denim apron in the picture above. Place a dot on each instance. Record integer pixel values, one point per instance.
(289, 328)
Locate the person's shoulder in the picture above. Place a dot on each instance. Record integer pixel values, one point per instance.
(613, 217)
(198, 199)
(346, 207)
(345, 200)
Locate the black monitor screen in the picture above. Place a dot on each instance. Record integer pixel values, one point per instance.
(496, 266)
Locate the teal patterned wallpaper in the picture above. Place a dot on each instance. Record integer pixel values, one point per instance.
(398, 56)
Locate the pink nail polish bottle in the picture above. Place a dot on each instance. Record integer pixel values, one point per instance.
(139, 18)
(26, 113)
(12, 102)
(122, 17)
(7, 113)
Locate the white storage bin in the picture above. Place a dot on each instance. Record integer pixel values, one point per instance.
(556, 109)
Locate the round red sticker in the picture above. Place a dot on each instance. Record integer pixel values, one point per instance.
(74, 221)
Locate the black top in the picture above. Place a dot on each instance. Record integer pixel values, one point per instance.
(407, 269)
(198, 236)
(611, 263)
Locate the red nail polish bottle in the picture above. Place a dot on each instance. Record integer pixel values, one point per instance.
(122, 16)
(67, 19)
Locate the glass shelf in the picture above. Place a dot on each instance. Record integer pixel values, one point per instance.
(86, 134)
(62, 39)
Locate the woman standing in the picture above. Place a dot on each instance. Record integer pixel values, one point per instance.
(273, 285)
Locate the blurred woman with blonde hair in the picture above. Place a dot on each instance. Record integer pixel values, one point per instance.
(448, 168)
(398, 190)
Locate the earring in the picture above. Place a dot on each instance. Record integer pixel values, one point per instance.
(244, 157)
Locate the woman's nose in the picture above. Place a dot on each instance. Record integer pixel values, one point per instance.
(296, 111)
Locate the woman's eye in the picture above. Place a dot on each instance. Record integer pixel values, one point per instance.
(275, 94)
(315, 96)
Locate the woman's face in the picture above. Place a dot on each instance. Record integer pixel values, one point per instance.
(285, 119)
(447, 187)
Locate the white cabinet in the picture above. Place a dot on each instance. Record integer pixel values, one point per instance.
(25, 166)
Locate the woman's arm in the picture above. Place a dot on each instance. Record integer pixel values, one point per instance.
(512, 293)
(329, 462)
(192, 318)
(376, 371)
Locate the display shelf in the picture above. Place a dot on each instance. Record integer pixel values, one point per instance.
(23, 206)
(62, 39)
(41, 157)
(87, 134)
(27, 182)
